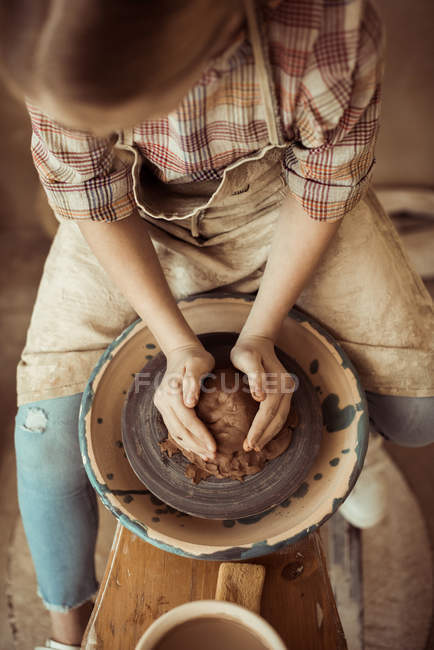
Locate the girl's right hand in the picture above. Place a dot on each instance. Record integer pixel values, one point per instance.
(178, 394)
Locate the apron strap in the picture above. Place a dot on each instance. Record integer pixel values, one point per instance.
(260, 48)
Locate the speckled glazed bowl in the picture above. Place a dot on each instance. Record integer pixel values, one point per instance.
(331, 478)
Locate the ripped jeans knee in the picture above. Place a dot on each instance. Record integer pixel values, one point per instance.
(35, 420)
(47, 448)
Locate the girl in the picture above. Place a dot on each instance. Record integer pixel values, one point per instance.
(189, 146)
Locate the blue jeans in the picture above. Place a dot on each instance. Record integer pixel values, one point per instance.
(59, 507)
(57, 502)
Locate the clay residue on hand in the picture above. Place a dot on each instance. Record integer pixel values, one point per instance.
(227, 408)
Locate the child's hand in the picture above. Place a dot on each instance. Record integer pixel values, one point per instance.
(178, 394)
(269, 382)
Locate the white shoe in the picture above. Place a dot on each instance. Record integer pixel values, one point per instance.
(365, 506)
(55, 645)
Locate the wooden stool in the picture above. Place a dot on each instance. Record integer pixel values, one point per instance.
(142, 582)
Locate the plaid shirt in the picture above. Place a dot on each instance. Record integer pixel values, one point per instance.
(327, 64)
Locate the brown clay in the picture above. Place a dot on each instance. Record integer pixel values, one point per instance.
(227, 408)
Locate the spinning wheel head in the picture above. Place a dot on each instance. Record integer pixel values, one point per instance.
(143, 429)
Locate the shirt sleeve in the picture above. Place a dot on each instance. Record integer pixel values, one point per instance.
(81, 174)
(328, 165)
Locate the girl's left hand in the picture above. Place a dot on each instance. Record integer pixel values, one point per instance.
(270, 384)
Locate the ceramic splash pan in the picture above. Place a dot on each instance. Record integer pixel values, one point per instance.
(344, 438)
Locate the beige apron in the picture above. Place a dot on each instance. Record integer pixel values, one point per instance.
(217, 235)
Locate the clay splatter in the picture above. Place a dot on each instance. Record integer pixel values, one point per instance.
(314, 366)
(228, 523)
(334, 461)
(317, 477)
(302, 491)
(255, 518)
(335, 418)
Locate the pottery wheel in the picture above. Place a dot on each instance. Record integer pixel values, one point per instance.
(143, 429)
